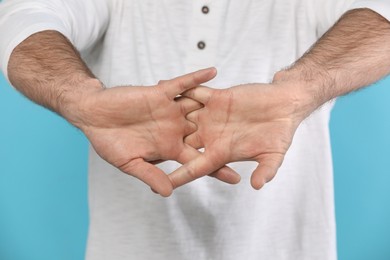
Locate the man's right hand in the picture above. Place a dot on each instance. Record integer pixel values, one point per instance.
(131, 127)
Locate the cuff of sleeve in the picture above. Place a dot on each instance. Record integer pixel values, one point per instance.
(379, 6)
(18, 32)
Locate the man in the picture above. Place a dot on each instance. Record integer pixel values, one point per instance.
(250, 43)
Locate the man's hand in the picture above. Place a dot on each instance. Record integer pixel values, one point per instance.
(257, 122)
(131, 127)
(253, 122)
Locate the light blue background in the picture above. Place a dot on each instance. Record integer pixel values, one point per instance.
(43, 164)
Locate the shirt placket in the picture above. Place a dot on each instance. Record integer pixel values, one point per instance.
(203, 35)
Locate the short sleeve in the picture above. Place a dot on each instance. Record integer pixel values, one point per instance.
(382, 7)
(329, 11)
(82, 22)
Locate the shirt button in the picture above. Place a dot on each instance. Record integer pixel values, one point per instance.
(201, 45)
(205, 9)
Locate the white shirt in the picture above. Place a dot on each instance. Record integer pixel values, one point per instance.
(139, 42)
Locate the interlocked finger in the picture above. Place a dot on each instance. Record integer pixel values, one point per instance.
(176, 86)
(190, 128)
(201, 94)
(149, 174)
(188, 105)
(194, 141)
(223, 173)
(194, 116)
(200, 166)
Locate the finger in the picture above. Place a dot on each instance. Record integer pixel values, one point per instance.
(194, 141)
(198, 167)
(149, 174)
(266, 170)
(201, 94)
(224, 174)
(193, 116)
(188, 105)
(190, 128)
(156, 162)
(178, 85)
(162, 81)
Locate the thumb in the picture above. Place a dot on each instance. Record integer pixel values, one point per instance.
(224, 174)
(194, 169)
(266, 170)
(149, 174)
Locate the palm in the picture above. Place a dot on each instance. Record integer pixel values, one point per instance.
(247, 122)
(130, 133)
(131, 127)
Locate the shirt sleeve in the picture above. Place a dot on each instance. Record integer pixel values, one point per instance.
(382, 7)
(83, 22)
(331, 10)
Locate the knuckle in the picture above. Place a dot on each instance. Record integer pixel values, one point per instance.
(129, 167)
(173, 182)
(183, 109)
(192, 173)
(182, 86)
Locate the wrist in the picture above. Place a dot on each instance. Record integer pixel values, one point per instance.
(71, 102)
(308, 85)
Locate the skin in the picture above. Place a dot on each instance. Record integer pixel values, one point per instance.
(258, 121)
(247, 122)
(151, 129)
(131, 127)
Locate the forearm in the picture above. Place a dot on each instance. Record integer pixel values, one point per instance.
(48, 70)
(354, 53)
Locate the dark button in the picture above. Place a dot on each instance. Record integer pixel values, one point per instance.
(205, 9)
(201, 45)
